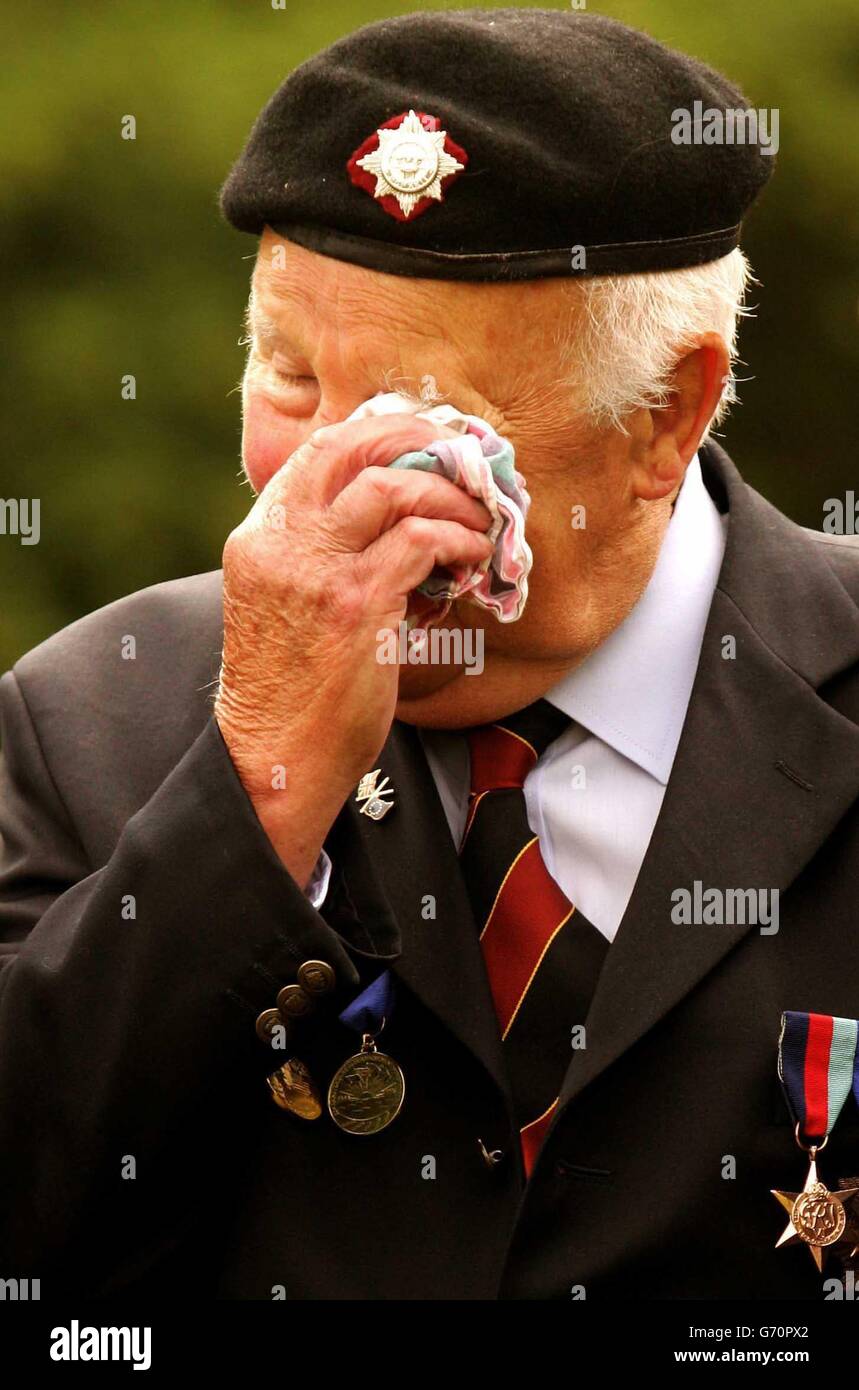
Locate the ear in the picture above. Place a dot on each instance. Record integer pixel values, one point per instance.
(666, 438)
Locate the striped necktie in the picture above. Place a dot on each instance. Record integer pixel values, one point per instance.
(542, 957)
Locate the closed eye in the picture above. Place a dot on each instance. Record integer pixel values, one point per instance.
(292, 380)
(286, 372)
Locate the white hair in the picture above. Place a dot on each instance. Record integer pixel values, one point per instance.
(627, 333)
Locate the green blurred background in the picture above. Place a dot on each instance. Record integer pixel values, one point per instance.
(115, 261)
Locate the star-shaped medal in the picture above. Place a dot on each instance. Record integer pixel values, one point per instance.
(817, 1216)
(410, 158)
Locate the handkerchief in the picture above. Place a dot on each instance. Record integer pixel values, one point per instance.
(483, 463)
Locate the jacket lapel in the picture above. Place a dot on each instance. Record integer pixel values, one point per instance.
(409, 905)
(764, 770)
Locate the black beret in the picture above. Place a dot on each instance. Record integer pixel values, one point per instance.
(500, 145)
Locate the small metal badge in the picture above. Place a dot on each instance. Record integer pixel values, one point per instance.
(293, 1089)
(373, 795)
(410, 163)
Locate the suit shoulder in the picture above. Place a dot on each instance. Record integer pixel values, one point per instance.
(842, 555)
(174, 629)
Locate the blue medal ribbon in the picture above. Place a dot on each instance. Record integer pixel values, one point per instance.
(372, 1007)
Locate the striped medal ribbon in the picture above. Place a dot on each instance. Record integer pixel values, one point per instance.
(818, 1067)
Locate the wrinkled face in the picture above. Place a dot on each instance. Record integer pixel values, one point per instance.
(327, 335)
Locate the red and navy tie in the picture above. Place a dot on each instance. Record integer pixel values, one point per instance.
(543, 957)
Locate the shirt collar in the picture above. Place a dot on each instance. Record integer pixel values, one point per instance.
(633, 691)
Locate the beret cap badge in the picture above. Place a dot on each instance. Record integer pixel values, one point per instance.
(406, 164)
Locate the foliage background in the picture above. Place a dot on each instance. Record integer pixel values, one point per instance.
(115, 260)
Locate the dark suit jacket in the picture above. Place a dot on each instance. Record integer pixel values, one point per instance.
(129, 1045)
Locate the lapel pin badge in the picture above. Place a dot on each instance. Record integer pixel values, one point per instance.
(374, 795)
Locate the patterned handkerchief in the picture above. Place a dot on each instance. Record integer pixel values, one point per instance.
(481, 462)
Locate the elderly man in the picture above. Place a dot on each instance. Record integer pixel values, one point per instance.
(329, 976)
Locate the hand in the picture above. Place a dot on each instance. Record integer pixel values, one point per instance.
(327, 557)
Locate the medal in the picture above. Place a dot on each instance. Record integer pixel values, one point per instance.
(293, 1089)
(366, 1093)
(817, 1216)
(815, 1065)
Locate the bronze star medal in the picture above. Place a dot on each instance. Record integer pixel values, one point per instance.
(410, 158)
(817, 1216)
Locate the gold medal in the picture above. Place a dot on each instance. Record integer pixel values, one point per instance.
(817, 1216)
(293, 1089)
(366, 1094)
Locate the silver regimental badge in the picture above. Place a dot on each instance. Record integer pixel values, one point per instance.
(410, 163)
(374, 795)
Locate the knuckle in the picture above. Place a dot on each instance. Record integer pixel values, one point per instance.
(317, 443)
(235, 547)
(273, 516)
(414, 529)
(377, 480)
(324, 435)
(298, 460)
(242, 571)
(325, 541)
(308, 451)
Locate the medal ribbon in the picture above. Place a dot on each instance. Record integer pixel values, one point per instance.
(817, 1065)
(372, 1007)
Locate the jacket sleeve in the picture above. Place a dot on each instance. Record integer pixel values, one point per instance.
(128, 997)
